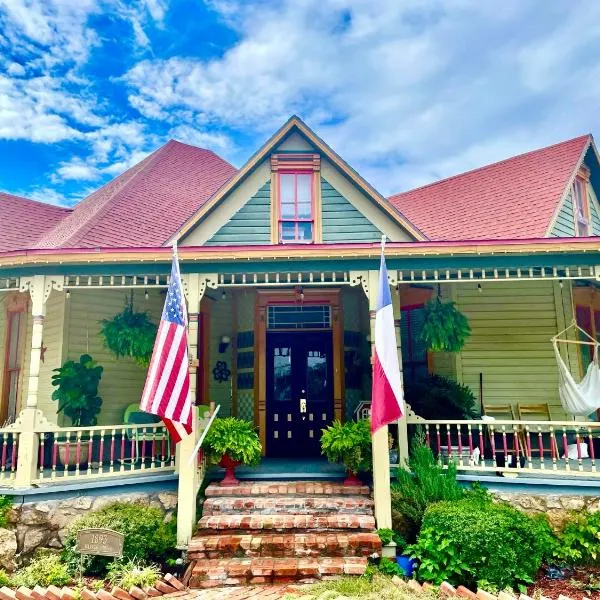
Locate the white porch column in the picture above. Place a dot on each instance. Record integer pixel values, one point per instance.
(39, 288)
(381, 456)
(194, 286)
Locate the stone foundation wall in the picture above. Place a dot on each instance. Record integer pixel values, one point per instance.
(558, 508)
(44, 524)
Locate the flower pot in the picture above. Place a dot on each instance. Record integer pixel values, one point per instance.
(352, 480)
(69, 458)
(229, 465)
(406, 564)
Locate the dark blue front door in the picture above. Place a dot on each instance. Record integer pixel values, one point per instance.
(299, 391)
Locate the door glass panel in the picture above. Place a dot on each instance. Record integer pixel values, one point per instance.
(13, 349)
(316, 374)
(13, 388)
(282, 374)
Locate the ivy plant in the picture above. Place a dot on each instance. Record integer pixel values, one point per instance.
(445, 328)
(76, 390)
(235, 438)
(349, 444)
(130, 333)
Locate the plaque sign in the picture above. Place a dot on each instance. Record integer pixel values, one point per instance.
(100, 542)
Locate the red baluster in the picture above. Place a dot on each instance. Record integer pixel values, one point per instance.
(493, 444)
(101, 457)
(90, 454)
(54, 453)
(427, 436)
(112, 449)
(566, 448)
(439, 439)
(470, 440)
(4, 451)
(15, 451)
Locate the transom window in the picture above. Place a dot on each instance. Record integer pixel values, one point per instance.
(304, 316)
(296, 206)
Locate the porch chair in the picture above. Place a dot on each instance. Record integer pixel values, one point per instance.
(134, 416)
(503, 412)
(534, 412)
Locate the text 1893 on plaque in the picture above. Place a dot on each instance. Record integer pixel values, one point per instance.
(100, 542)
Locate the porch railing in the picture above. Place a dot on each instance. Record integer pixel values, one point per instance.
(103, 451)
(9, 440)
(563, 448)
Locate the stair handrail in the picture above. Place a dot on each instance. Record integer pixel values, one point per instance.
(208, 426)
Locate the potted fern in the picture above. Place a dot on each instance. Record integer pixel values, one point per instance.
(349, 444)
(445, 328)
(231, 442)
(76, 392)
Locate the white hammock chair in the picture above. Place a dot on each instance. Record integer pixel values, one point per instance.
(581, 398)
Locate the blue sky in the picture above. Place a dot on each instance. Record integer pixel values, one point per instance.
(406, 91)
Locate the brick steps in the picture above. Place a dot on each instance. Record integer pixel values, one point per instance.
(252, 571)
(290, 504)
(286, 488)
(287, 522)
(265, 533)
(325, 544)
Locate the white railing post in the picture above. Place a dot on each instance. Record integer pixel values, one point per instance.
(381, 454)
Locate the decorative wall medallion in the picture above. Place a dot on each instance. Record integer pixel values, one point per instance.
(221, 373)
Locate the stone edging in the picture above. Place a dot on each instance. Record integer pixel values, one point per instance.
(169, 585)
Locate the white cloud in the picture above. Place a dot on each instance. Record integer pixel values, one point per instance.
(196, 137)
(77, 170)
(406, 91)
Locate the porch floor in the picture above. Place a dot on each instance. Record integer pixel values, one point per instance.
(286, 468)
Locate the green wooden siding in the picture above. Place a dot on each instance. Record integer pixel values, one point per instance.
(341, 221)
(565, 221)
(594, 212)
(250, 225)
(512, 324)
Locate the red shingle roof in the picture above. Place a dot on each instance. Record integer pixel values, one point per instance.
(512, 199)
(145, 205)
(24, 221)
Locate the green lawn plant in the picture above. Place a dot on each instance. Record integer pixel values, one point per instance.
(478, 543)
(76, 392)
(425, 483)
(125, 574)
(5, 506)
(148, 537)
(235, 438)
(579, 541)
(46, 568)
(445, 328)
(348, 443)
(130, 333)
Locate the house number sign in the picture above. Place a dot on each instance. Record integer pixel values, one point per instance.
(100, 542)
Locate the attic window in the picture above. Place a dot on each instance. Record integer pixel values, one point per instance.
(580, 203)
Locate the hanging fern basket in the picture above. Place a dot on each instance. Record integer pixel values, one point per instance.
(130, 334)
(445, 328)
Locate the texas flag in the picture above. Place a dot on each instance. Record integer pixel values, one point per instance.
(387, 404)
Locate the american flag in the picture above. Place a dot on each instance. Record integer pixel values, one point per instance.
(167, 388)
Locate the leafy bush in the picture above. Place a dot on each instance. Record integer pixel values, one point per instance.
(579, 541)
(236, 438)
(474, 542)
(46, 568)
(445, 328)
(147, 536)
(426, 482)
(125, 574)
(349, 444)
(4, 578)
(5, 506)
(437, 397)
(388, 567)
(131, 334)
(389, 535)
(77, 390)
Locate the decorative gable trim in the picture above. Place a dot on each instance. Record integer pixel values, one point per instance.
(296, 123)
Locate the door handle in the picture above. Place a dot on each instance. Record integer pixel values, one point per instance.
(303, 404)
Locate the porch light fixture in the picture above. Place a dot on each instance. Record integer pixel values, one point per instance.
(146, 295)
(299, 294)
(224, 343)
(560, 283)
(479, 288)
(224, 295)
(68, 294)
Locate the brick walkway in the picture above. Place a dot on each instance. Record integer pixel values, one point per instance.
(262, 592)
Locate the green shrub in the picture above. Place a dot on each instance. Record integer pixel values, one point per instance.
(4, 578)
(579, 541)
(389, 535)
(126, 574)
(478, 543)
(147, 536)
(349, 444)
(46, 568)
(5, 506)
(437, 397)
(236, 438)
(426, 482)
(388, 567)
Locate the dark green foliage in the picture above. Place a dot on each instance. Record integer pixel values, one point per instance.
(5, 506)
(445, 328)
(389, 535)
(236, 438)
(131, 334)
(474, 542)
(579, 541)
(77, 390)
(426, 482)
(147, 536)
(349, 444)
(437, 397)
(46, 568)
(389, 567)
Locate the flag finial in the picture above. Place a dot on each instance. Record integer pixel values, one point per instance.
(383, 240)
